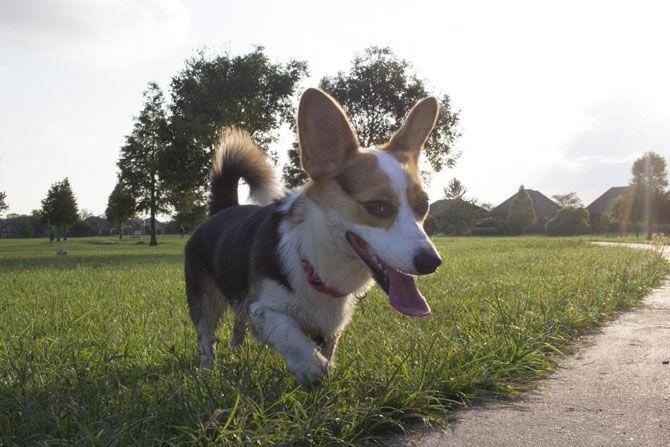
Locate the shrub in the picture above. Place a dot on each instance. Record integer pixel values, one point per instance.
(569, 220)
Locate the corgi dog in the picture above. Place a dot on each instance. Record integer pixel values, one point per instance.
(290, 268)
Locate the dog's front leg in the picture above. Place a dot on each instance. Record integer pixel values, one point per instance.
(283, 333)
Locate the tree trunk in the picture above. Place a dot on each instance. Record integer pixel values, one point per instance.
(152, 223)
(649, 230)
(152, 218)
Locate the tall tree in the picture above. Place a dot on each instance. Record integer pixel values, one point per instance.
(141, 161)
(650, 178)
(247, 91)
(190, 210)
(568, 200)
(3, 202)
(522, 212)
(455, 189)
(293, 174)
(378, 91)
(59, 207)
(120, 207)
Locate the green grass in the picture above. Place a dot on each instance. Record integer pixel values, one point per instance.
(96, 347)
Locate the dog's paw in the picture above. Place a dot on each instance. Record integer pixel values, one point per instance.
(311, 371)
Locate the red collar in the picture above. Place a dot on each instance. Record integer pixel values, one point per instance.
(315, 281)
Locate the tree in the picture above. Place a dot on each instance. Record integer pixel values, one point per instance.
(3, 202)
(120, 207)
(377, 92)
(430, 225)
(140, 162)
(650, 178)
(209, 94)
(190, 210)
(522, 212)
(569, 220)
(25, 225)
(82, 228)
(455, 189)
(460, 219)
(59, 207)
(568, 200)
(293, 174)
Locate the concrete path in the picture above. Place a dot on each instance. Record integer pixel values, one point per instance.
(614, 392)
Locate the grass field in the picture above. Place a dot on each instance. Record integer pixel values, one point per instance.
(96, 346)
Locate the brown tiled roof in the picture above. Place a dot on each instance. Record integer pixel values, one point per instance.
(600, 205)
(545, 208)
(440, 206)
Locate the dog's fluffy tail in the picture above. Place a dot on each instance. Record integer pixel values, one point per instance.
(237, 156)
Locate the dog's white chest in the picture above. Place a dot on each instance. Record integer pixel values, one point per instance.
(316, 313)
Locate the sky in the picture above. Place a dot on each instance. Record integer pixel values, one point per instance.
(559, 96)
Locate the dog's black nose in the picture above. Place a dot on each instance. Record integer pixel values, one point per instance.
(427, 261)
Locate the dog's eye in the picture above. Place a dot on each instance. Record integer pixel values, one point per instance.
(379, 208)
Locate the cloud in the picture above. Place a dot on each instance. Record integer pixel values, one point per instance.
(618, 130)
(107, 33)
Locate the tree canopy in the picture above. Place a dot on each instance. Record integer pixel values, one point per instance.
(3, 202)
(140, 162)
(645, 196)
(460, 218)
(120, 206)
(455, 189)
(377, 93)
(59, 207)
(211, 93)
(569, 220)
(568, 200)
(522, 212)
(650, 172)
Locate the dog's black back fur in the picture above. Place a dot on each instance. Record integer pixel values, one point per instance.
(224, 246)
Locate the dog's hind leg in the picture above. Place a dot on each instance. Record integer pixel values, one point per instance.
(239, 328)
(206, 306)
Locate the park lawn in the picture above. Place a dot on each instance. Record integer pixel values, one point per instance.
(96, 347)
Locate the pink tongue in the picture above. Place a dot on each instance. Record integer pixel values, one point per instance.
(404, 296)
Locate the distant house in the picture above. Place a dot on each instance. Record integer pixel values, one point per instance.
(439, 207)
(599, 206)
(545, 208)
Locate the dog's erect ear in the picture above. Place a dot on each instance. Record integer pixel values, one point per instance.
(418, 125)
(326, 137)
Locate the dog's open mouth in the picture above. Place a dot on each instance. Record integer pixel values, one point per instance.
(401, 289)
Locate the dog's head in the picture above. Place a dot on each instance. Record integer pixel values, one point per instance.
(374, 195)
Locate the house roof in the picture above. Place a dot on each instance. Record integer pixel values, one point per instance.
(545, 208)
(441, 206)
(600, 205)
